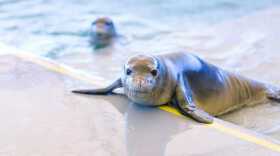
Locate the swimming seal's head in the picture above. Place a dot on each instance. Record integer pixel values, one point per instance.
(141, 79)
(102, 32)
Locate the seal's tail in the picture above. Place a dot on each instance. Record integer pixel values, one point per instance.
(273, 93)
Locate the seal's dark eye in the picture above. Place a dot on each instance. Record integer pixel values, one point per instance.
(128, 71)
(154, 72)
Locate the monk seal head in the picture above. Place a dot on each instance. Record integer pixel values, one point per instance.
(141, 78)
(102, 32)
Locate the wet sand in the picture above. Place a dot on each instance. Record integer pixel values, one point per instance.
(41, 116)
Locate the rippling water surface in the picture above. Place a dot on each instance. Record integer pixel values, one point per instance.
(237, 35)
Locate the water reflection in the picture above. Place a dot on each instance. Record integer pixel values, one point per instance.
(148, 129)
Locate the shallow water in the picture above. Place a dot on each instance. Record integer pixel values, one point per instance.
(59, 29)
(240, 36)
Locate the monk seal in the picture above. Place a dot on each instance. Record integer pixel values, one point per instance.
(197, 88)
(102, 32)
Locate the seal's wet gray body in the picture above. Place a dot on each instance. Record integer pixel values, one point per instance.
(192, 84)
(215, 90)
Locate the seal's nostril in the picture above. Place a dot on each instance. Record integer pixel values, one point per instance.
(154, 72)
(128, 71)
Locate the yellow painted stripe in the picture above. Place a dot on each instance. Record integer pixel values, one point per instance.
(230, 131)
(59, 68)
(50, 65)
(246, 136)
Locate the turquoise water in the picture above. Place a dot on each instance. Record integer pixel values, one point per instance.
(56, 28)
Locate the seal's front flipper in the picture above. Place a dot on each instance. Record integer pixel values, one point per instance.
(101, 91)
(186, 104)
(198, 115)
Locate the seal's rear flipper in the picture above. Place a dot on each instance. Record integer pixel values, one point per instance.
(273, 93)
(274, 97)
